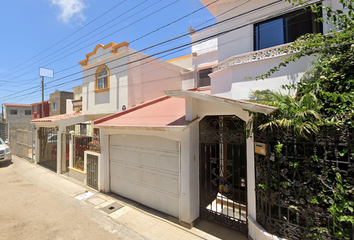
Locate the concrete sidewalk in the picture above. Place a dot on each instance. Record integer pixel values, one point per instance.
(124, 215)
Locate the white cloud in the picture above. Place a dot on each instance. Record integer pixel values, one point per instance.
(70, 10)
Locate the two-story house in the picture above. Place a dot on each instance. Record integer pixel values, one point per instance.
(58, 102)
(115, 78)
(191, 153)
(37, 109)
(17, 115)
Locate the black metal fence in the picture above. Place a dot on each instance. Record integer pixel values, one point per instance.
(305, 186)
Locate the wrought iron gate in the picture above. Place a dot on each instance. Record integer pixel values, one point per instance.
(92, 171)
(223, 195)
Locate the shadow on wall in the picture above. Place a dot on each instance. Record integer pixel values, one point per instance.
(101, 98)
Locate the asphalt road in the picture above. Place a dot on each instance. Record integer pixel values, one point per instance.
(34, 206)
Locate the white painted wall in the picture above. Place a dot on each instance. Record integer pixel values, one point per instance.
(241, 40)
(69, 106)
(231, 82)
(148, 78)
(105, 102)
(140, 81)
(204, 46)
(204, 53)
(189, 166)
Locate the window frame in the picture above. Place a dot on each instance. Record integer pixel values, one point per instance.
(99, 69)
(11, 110)
(30, 112)
(208, 69)
(35, 108)
(318, 28)
(55, 106)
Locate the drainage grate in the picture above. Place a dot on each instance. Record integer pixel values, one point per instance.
(111, 208)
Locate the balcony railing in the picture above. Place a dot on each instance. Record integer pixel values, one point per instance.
(263, 54)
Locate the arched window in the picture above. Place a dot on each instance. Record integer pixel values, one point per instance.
(102, 79)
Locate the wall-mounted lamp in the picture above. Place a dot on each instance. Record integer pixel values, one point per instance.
(124, 108)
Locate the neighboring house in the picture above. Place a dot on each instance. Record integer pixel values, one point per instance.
(37, 109)
(15, 116)
(58, 102)
(109, 86)
(255, 46)
(75, 104)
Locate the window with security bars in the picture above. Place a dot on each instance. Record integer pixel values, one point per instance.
(203, 77)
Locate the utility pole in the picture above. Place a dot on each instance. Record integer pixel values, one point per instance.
(2, 112)
(45, 72)
(42, 115)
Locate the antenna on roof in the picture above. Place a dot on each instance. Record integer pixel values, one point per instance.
(191, 30)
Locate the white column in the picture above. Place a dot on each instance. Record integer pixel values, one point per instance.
(191, 109)
(104, 161)
(71, 149)
(59, 144)
(63, 152)
(37, 147)
(251, 185)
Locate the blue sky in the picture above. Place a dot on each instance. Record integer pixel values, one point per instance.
(51, 34)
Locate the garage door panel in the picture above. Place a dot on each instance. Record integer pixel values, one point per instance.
(149, 178)
(169, 163)
(132, 175)
(118, 170)
(149, 198)
(168, 205)
(168, 145)
(146, 169)
(169, 184)
(117, 152)
(149, 159)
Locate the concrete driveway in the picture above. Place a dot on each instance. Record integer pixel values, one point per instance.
(36, 203)
(42, 210)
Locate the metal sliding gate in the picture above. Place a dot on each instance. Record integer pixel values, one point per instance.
(223, 195)
(48, 138)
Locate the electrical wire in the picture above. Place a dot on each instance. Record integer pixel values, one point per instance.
(225, 32)
(187, 34)
(126, 26)
(70, 34)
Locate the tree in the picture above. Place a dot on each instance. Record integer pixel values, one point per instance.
(330, 81)
(325, 95)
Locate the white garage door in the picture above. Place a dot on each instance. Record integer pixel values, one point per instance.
(146, 169)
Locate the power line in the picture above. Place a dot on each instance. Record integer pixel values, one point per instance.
(212, 36)
(102, 37)
(225, 32)
(70, 34)
(161, 43)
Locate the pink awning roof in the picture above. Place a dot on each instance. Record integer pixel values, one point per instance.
(57, 117)
(164, 113)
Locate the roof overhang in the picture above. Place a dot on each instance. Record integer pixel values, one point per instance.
(61, 120)
(245, 105)
(161, 114)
